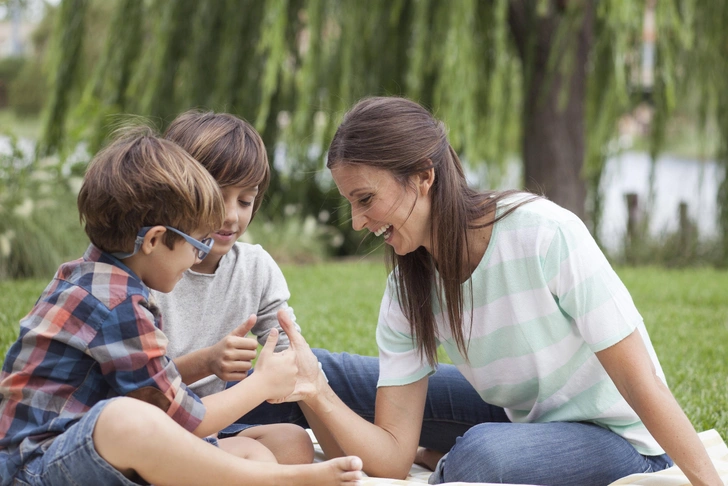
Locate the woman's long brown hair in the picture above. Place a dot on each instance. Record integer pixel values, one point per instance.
(402, 137)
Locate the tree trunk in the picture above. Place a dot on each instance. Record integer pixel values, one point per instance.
(553, 126)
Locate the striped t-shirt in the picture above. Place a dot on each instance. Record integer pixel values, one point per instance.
(544, 301)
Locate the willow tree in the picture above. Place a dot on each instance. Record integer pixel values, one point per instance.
(543, 79)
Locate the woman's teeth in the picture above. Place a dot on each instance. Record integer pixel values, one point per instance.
(382, 230)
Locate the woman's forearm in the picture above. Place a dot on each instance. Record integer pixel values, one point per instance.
(628, 364)
(388, 446)
(669, 425)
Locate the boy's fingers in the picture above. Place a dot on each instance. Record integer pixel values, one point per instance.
(289, 327)
(270, 343)
(243, 329)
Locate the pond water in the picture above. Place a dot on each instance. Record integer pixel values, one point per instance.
(676, 180)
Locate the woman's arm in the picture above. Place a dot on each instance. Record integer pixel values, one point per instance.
(630, 367)
(388, 446)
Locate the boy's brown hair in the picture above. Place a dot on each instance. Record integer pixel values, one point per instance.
(141, 180)
(227, 146)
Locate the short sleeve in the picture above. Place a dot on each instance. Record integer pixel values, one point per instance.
(399, 361)
(274, 297)
(587, 288)
(131, 351)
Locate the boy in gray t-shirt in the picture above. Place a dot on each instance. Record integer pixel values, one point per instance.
(206, 316)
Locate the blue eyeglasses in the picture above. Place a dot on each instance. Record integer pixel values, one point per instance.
(203, 246)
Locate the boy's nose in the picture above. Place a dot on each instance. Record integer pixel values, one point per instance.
(231, 213)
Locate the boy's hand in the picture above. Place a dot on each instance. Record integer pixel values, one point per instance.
(308, 376)
(231, 358)
(276, 371)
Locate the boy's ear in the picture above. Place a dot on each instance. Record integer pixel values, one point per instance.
(152, 239)
(424, 180)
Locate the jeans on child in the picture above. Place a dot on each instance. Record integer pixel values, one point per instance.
(72, 459)
(563, 453)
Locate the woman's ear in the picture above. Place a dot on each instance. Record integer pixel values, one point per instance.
(152, 239)
(424, 180)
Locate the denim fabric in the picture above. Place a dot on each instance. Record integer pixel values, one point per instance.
(452, 405)
(234, 429)
(72, 459)
(556, 453)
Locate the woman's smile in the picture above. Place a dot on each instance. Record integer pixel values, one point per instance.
(376, 196)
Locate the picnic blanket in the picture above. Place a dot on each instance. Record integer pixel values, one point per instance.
(714, 444)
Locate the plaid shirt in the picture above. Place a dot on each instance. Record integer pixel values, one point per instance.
(92, 335)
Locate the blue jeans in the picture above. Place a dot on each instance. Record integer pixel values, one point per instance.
(556, 453)
(484, 445)
(72, 459)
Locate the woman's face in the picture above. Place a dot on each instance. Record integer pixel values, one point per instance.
(381, 204)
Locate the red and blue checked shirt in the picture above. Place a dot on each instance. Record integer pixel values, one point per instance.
(92, 335)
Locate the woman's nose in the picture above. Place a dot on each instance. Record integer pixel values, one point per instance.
(358, 221)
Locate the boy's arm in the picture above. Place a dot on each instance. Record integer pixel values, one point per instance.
(274, 378)
(229, 359)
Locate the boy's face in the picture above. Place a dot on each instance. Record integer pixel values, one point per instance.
(166, 267)
(239, 201)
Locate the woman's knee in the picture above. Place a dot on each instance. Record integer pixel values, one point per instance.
(479, 456)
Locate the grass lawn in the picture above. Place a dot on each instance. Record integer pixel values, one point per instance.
(686, 313)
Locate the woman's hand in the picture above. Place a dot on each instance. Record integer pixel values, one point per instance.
(231, 358)
(309, 377)
(276, 371)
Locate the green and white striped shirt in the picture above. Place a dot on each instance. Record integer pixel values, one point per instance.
(544, 301)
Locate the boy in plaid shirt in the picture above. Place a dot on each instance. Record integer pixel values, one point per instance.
(87, 393)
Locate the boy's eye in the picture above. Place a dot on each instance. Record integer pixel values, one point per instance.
(245, 204)
(365, 200)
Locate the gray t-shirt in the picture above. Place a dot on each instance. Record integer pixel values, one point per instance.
(204, 308)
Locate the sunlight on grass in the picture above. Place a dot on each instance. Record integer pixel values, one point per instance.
(337, 304)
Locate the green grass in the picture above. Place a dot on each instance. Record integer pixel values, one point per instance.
(337, 304)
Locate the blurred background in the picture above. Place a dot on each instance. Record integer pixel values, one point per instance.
(615, 109)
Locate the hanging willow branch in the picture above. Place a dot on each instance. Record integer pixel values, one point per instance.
(476, 64)
(65, 58)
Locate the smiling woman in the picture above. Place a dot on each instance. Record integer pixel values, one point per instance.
(522, 300)
(385, 207)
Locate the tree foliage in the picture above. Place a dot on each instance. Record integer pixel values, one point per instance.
(546, 79)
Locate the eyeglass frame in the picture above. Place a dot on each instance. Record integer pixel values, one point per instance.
(203, 246)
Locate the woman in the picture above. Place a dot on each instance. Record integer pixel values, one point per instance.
(523, 302)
